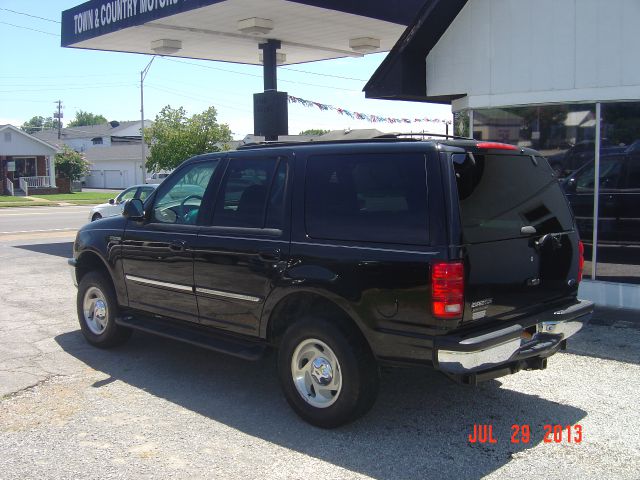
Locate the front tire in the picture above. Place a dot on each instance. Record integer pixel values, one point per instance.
(97, 216)
(327, 372)
(97, 310)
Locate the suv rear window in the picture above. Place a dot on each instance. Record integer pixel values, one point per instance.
(368, 198)
(500, 194)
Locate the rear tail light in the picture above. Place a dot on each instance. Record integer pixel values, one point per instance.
(580, 260)
(496, 146)
(447, 289)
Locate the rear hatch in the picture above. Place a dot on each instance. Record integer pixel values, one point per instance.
(520, 246)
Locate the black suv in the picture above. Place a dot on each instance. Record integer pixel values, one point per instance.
(452, 254)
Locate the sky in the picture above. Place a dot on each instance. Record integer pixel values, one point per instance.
(35, 72)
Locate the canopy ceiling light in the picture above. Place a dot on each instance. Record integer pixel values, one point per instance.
(281, 58)
(364, 44)
(255, 26)
(166, 47)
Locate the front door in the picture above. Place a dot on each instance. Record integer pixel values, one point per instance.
(239, 255)
(158, 253)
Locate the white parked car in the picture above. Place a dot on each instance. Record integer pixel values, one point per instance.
(115, 205)
(156, 178)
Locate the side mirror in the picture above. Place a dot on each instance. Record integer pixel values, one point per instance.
(133, 209)
(111, 201)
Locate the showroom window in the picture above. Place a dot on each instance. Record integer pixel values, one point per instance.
(566, 136)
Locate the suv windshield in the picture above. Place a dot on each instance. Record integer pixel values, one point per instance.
(500, 194)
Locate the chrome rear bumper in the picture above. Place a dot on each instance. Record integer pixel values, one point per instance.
(491, 349)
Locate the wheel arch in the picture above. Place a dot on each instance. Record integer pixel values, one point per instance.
(286, 307)
(90, 261)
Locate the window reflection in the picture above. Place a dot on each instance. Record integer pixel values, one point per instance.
(565, 135)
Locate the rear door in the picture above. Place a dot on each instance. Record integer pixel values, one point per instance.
(242, 249)
(518, 234)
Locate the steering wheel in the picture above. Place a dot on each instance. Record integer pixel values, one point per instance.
(182, 214)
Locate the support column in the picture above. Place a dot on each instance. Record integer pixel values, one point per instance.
(270, 64)
(52, 170)
(596, 192)
(270, 108)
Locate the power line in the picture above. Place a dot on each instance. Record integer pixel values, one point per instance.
(259, 76)
(324, 74)
(54, 89)
(29, 15)
(199, 99)
(66, 76)
(32, 29)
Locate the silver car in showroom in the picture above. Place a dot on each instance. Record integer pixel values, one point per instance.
(115, 205)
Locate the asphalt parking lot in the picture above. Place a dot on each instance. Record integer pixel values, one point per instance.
(158, 409)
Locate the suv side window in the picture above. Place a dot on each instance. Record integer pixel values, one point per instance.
(368, 198)
(277, 196)
(244, 191)
(179, 201)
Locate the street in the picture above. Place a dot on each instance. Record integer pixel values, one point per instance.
(160, 409)
(42, 219)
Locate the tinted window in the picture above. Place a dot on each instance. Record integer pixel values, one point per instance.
(369, 198)
(275, 211)
(610, 171)
(179, 201)
(243, 196)
(499, 194)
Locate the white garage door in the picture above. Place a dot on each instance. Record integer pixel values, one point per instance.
(95, 179)
(113, 179)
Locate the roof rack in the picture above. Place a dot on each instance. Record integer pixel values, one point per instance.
(390, 137)
(423, 135)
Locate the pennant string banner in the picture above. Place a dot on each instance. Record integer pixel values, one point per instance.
(363, 116)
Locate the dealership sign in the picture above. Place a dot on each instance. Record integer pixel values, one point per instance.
(100, 17)
(116, 11)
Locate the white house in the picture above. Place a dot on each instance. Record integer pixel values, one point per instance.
(26, 163)
(114, 151)
(116, 166)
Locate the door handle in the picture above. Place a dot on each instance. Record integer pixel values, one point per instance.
(270, 255)
(177, 245)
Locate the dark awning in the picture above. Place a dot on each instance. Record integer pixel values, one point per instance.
(402, 75)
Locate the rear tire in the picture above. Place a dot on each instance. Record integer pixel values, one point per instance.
(327, 372)
(97, 312)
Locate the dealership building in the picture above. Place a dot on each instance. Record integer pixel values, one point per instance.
(560, 76)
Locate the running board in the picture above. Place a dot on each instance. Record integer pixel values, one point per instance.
(195, 335)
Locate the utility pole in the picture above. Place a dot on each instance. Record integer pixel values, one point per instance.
(143, 75)
(58, 116)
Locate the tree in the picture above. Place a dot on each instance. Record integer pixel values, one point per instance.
(71, 164)
(314, 131)
(174, 137)
(86, 118)
(39, 123)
